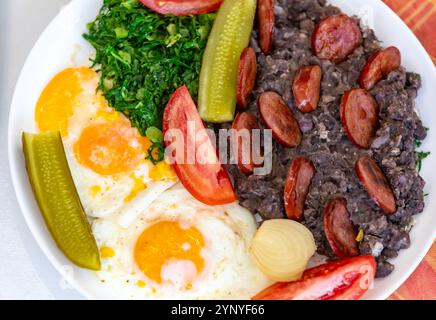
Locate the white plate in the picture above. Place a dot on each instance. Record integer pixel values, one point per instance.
(61, 45)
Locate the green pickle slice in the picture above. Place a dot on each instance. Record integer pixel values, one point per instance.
(58, 200)
(230, 35)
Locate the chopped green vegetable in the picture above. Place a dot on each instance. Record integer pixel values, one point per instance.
(121, 32)
(421, 156)
(230, 35)
(156, 153)
(144, 57)
(57, 198)
(154, 134)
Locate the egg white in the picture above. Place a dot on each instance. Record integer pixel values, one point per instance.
(110, 199)
(229, 272)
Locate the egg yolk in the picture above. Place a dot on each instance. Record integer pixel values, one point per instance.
(138, 186)
(56, 103)
(166, 241)
(162, 171)
(110, 148)
(95, 190)
(106, 114)
(107, 252)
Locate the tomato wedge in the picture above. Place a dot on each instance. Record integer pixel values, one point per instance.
(207, 181)
(182, 7)
(346, 279)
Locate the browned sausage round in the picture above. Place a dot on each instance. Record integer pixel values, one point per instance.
(378, 66)
(336, 37)
(242, 143)
(359, 116)
(306, 88)
(279, 118)
(300, 175)
(246, 76)
(339, 230)
(375, 183)
(266, 21)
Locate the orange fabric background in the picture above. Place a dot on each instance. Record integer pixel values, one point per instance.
(420, 16)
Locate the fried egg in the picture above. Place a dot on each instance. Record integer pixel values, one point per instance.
(155, 240)
(105, 153)
(180, 248)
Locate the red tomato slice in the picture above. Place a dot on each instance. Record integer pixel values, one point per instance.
(346, 279)
(182, 7)
(207, 181)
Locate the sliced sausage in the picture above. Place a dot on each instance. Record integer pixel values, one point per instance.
(297, 185)
(306, 88)
(378, 66)
(242, 141)
(336, 37)
(266, 21)
(246, 76)
(376, 184)
(339, 230)
(279, 118)
(359, 116)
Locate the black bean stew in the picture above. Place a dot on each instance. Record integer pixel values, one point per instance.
(326, 144)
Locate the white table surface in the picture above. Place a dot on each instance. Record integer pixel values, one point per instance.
(24, 271)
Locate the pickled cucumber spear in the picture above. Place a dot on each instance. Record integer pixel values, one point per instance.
(230, 35)
(58, 200)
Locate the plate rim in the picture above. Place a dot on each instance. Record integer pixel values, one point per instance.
(48, 252)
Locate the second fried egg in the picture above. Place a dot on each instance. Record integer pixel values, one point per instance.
(180, 248)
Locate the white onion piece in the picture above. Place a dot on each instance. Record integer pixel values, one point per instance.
(281, 249)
